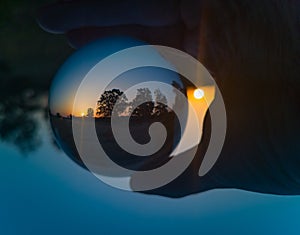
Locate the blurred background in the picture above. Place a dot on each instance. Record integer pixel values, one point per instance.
(42, 191)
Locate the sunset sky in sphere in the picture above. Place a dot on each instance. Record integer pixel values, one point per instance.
(72, 73)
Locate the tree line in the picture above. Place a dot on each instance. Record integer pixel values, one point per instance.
(116, 101)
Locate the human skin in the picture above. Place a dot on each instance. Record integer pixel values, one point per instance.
(252, 50)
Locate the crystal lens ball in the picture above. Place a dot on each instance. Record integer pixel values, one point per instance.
(126, 96)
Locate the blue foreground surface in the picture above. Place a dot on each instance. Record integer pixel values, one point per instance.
(46, 193)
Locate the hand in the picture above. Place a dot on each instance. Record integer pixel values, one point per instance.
(253, 55)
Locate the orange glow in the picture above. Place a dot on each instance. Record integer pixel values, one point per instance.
(201, 105)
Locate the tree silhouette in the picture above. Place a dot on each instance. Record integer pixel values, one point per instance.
(115, 100)
(179, 103)
(144, 98)
(90, 112)
(20, 101)
(160, 103)
(108, 102)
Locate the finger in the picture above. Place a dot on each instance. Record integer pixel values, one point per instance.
(167, 35)
(65, 16)
(191, 13)
(191, 43)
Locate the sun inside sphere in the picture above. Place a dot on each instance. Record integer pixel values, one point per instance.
(198, 93)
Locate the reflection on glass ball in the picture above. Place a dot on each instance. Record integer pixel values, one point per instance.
(126, 96)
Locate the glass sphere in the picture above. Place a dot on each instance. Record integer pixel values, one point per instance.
(136, 94)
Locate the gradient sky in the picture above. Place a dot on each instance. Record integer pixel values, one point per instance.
(71, 74)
